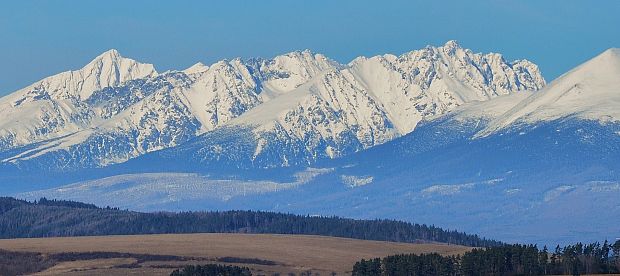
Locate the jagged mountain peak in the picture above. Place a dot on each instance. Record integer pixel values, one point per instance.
(451, 46)
(303, 58)
(368, 102)
(306, 56)
(112, 54)
(109, 69)
(113, 58)
(286, 72)
(56, 106)
(305, 53)
(302, 99)
(199, 67)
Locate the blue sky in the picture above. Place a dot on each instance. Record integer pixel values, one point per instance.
(41, 38)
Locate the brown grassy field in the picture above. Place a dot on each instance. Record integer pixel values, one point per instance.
(292, 253)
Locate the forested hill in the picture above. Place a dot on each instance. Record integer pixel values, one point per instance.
(52, 218)
(516, 259)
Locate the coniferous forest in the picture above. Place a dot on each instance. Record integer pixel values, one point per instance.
(54, 218)
(577, 259)
(212, 269)
(49, 218)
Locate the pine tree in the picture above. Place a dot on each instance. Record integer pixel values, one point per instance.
(544, 259)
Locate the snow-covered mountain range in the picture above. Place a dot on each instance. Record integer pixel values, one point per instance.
(505, 167)
(440, 135)
(293, 109)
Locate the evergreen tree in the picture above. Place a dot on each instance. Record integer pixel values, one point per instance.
(514, 259)
(544, 260)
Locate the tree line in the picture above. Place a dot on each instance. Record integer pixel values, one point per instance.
(53, 218)
(23, 263)
(577, 259)
(212, 269)
(26, 263)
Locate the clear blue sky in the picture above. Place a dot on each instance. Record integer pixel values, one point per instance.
(41, 38)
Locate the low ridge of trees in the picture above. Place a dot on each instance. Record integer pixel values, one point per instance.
(25, 263)
(22, 263)
(577, 259)
(53, 218)
(65, 203)
(212, 269)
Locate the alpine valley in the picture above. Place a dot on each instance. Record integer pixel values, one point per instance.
(440, 135)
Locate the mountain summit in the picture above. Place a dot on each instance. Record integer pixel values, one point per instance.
(441, 134)
(591, 91)
(55, 106)
(110, 69)
(293, 109)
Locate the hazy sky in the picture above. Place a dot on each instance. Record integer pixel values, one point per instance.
(41, 38)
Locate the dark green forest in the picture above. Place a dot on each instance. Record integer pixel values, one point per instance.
(577, 259)
(22, 263)
(211, 270)
(56, 218)
(25, 263)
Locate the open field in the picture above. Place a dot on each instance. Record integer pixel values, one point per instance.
(290, 253)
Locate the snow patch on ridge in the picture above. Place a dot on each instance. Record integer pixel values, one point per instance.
(448, 189)
(353, 181)
(557, 192)
(138, 191)
(454, 189)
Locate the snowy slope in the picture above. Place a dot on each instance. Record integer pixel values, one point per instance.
(366, 103)
(548, 159)
(507, 186)
(503, 186)
(299, 107)
(54, 106)
(153, 189)
(153, 112)
(591, 91)
(433, 80)
(554, 167)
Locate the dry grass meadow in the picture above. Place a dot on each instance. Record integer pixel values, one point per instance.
(291, 253)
